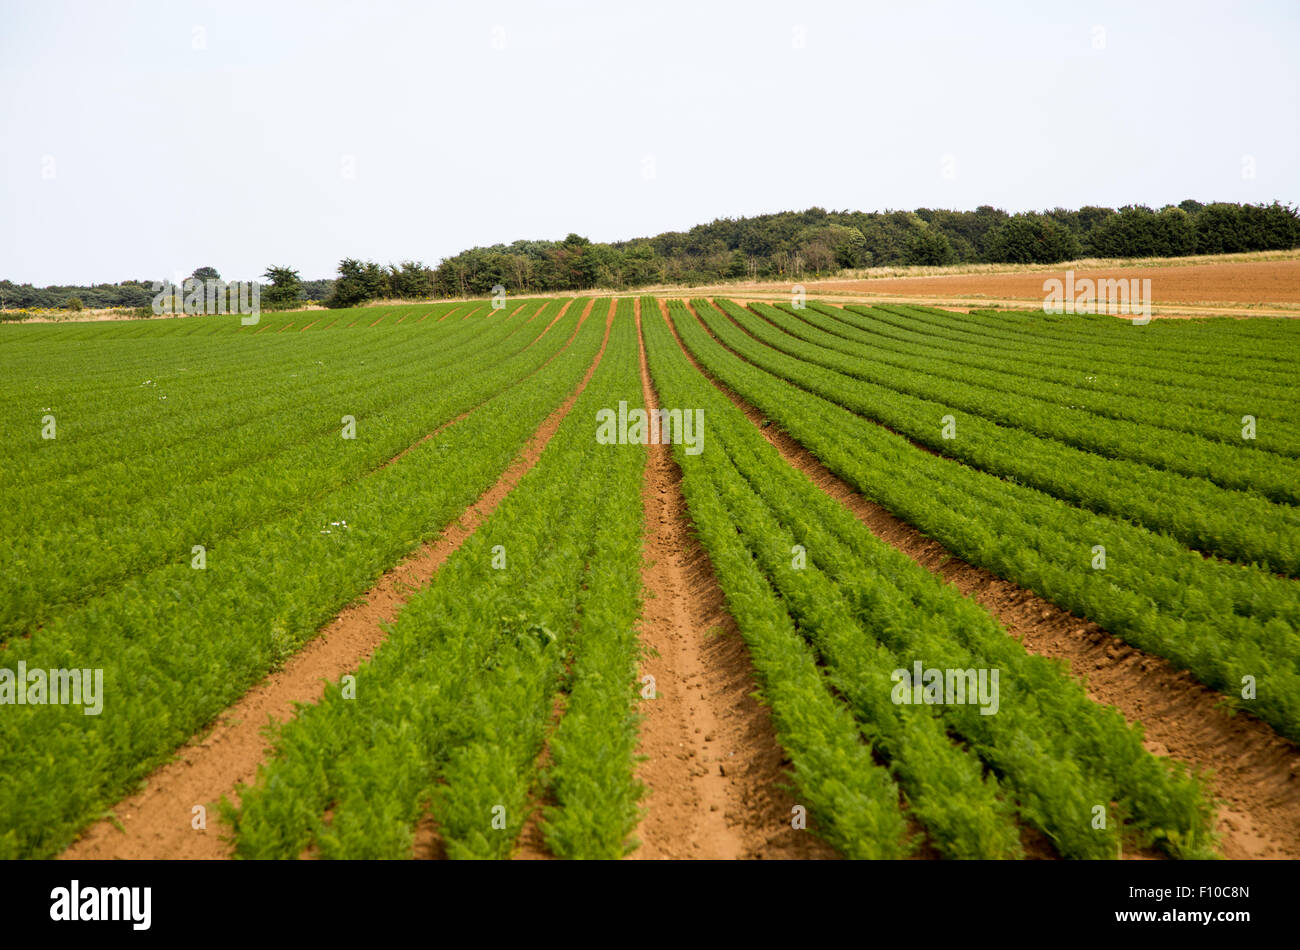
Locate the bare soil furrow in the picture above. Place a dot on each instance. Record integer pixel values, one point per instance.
(716, 777)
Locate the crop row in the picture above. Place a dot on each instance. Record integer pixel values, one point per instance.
(1041, 338)
(178, 645)
(869, 610)
(1081, 366)
(1233, 627)
(1113, 398)
(1235, 525)
(1270, 475)
(451, 714)
(852, 802)
(1263, 344)
(105, 353)
(186, 391)
(68, 553)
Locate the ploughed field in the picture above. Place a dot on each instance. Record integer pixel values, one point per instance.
(1004, 584)
(1272, 284)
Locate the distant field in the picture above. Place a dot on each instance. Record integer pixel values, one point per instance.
(432, 544)
(1264, 284)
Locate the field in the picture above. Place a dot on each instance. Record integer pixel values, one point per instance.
(1258, 284)
(879, 581)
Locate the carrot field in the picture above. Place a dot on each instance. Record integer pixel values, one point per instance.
(613, 577)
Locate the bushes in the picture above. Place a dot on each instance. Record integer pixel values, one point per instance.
(1227, 228)
(1032, 239)
(1193, 228)
(1140, 232)
(929, 247)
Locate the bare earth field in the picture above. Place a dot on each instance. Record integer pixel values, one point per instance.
(1234, 284)
(1236, 288)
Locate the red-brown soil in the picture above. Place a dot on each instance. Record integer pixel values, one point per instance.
(714, 771)
(1236, 283)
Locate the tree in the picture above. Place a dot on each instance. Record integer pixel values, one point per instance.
(1174, 234)
(74, 303)
(358, 282)
(1224, 228)
(785, 244)
(848, 245)
(285, 287)
(640, 265)
(411, 281)
(930, 247)
(1032, 239)
(205, 274)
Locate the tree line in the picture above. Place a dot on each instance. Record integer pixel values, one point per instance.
(815, 243)
(790, 245)
(282, 287)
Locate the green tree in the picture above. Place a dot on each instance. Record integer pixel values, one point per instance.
(411, 281)
(1032, 239)
(358, 281)
(848, 245)
(930, 247)
(285, 287)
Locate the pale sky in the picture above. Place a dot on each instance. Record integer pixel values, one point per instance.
(142, 140)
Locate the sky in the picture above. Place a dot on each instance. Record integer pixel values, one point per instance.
(142, 140)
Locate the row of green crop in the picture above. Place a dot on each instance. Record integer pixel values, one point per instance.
(1233, 627)
(851, 801)
(1235, 525)
(1132, 357)
(1133, 402)
(1271, 476)
(195, 428)
(297, 455)
(178, 645)
(1080, 365)
(186, 392)
(105, 352)
(187, 404)
(1258, 344)
(965, 815)
(109, 387)
(869, 610)
(1234, 589)
(593, 793)
(1200, 345)
(452, 712)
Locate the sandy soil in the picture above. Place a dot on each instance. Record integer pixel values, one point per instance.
(1230, 288)
(1245, 283)
(714, 771)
